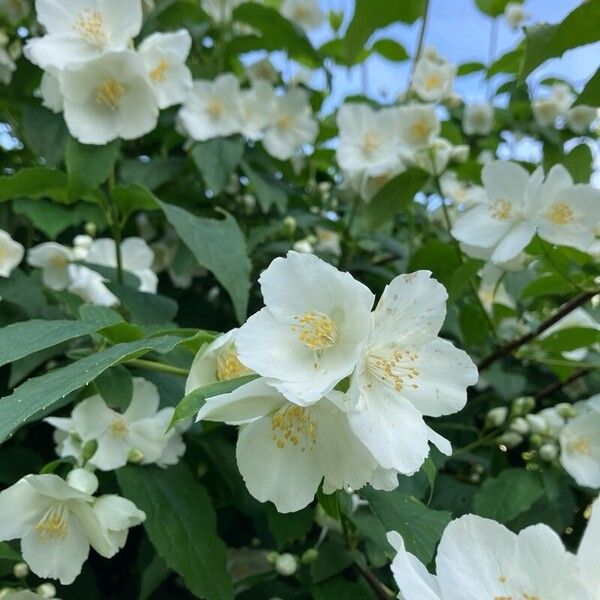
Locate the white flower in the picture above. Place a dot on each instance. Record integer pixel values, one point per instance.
(328, 241)
(417, 124)
(54, 261)
(11, 254)
(257, 105)
(461, 192)
(305, 13)
(212, 108)
(305, 246)
(435, 159)
(576, 318)
(108, 97)
(141, 427)
(7, 67)
(478, 119)
(367, 186)
(164, 56)
(309, 334)
(433, 80)
(515, 14)
(504, 222)
(136, 258)
(89, 285)
(587, 554)
(479, 558)
(56, 524)
(491, 289)
(292, 125)
(80, 30)
(262, 70)
(579, 118)
(285, 450)
(368, 139)
(220, 11)
(545, 112)
(563, 96)
(580, 449)
(567, 214)
(405, 371)
(217, 361)
(50, 92)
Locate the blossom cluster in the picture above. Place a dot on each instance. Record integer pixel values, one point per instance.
(341, 392)
(479, 558)
(105, 88)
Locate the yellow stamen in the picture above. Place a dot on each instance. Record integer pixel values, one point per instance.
(119, 427)
(433, 82)
(229, 365)
(370, 142)
(109, 93)
(89, 24)
(285, 122)
(316, 330)
(393, 367)
(560, 213)
(295, 426)
(501, 209)
(215, 108)
(580, 445)
(159, 73)
(55, 522)
(419, 130)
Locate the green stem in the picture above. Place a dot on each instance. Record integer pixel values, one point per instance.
(155, 366)
(481, 441)
(557, 362)
(492, 52)
(419, 45)
(116, 226)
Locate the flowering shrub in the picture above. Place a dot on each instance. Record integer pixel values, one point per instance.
(257, 345)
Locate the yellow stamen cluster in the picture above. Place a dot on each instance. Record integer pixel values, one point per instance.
(90, 26)
(55, 522)
(119, 427)
(58, 261)
(294, 425)
(560, 213)
(215, 108)
(285, 122)
(580, 445)
(394, 368)
(370, 142)
(229, 365)
(433, 82)
(109, 93)
(159, 73)
(316, 330)
(501, 209)
(419, 130)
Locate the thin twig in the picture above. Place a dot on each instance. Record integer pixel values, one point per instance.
(155, 366)
(419, 45)
(564, 310)
(558, 384)
(381, 590)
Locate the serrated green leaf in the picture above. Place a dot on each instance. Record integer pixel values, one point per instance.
(217, 159)
(182, 526)
(268, 193)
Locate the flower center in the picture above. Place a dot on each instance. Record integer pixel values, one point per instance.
(159, 73)
(393, 367)
(501, 209)
(370, 142)
(119, 427)
(90, 26)
(419, 130)
(55, 522)
(580, 445)
(215, 108)
(109, 93)
(285, 122)
(316, 330)
(295, 426)
(58, 261)
(229, 365)
(560, 213)
(433, 82)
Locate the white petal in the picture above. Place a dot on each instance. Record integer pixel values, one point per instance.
(54, 487)
(514, 242)
(477, 227)
(587, 555)
(580, 449)
(92, 417)
(21, 507)
(506, 180)
(144, 401)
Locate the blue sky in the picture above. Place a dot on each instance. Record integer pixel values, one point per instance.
(461, 33)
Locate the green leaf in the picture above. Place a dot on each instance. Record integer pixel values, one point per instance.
(469, 67)
(547, 285)
(276, 33)
(115, 385)
(291, 527)
(570, 338)
(217, 159)
(334, 557)
(151, 174)
(338, 588)
(542, 42)
(7, 553)
(35, 182)
(22, 339)
(194, 401)
(507, 63)
(53, 219)
(46, 133)
(133, 197)
(220, 247)
(370, 15)
(420, 527)
(268, 193)
(182, 526)
(394, 196)
(505, 497)
(144, 308)
(390, 49)
(89, 166)
(493, 8)
(440, 258)
(40, 393)
(579, 161)
(590, 95)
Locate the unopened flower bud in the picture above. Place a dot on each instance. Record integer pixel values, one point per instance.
(272, 557)
(536, 423)
(310, 556)
(80, 253)
(548, 452)
(303, 246)
(46, 590)
(522, 406)
(536, 440)
(519, 425)
(135, 456)
(88, 450)
(5, 591)
(566, 410)
(249, 201)
(510, 439)
(83, 241)
(460, 153)
(21, 570)
(286, 564)
(83, 480)
(290, 225)
(496, 416)
(91, 229)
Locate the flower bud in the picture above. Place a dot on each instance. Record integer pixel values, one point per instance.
(91, 229)
(135, 456)
(249, 201)
(566, 410)
(548, 452)
(5, 591)
(21, 570)
(536, 440)
(523, 405)
(303, 246)
(290, 225)
(88, 450)
(286, 564)
(83, 480)
(46, 590)
(272, 557)
(537, 424)
(519, 425)
(496, 416)
(310, 556)
(83, 241)
(510, 439)
(460, 153)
